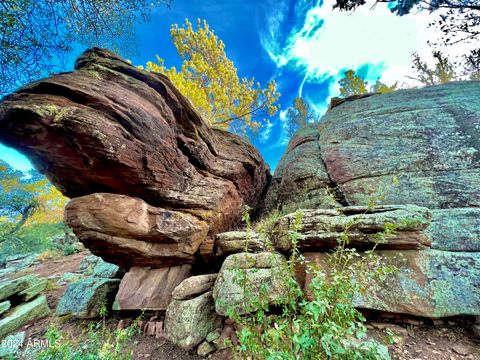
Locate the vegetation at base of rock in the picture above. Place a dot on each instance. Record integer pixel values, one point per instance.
(318, 323)
(209, 79)
(98, 342)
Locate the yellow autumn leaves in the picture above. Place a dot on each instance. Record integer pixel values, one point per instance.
(209, 79)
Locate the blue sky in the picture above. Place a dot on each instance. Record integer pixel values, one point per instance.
(304, 45)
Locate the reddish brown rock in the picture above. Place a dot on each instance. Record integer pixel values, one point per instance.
(129, 232)
(149, 289)
(109, 127)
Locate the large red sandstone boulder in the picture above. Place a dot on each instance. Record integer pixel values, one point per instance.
(109, 127)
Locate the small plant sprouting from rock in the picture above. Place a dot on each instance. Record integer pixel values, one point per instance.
(318, 322)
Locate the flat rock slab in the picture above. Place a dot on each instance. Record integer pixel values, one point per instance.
(9, 288)
(23, 314)
(4, 306)
(194, 286)
(232, 242)
(83, 299)
(323, 229)
(129, 232)
(34, 290)
(428, 283)
(149, 289)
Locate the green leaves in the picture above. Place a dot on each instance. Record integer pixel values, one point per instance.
(319, 322)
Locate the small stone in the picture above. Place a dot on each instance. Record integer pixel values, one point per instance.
(11, 344)
(380, 326)
(412, 322)
(437, 322)
(224, 340)
(461, 349)
(229, 321)
(23, 314)
(234, 339)
(194, 286)
(476, 329)
(205, 348)
(213, 335)
(152, 328)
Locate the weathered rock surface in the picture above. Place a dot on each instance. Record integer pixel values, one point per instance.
(194, 286)
(149, 289)
(455, 229)
(258, 271)
(4, 306)
(129, 232)
(11, 345)
(130, 132)
(429, 283)
(83, 299)
(428, 138)
(232, 242)
(9, 288)
(301, 179)
(188, 322)
(22, 314)
(322, 229)
(95, 266)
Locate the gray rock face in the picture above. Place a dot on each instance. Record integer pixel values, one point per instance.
(188, 322)
(257, 271)
(83, 299)
(23, 314)
(455, 229)
(301, 179)
(429, 140)
(429, 283)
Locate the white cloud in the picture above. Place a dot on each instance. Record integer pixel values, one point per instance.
(351, 40)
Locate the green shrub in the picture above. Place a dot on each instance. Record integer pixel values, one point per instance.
(318, 323)
(98, 343)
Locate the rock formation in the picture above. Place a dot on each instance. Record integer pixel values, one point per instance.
(427, 141)
(157, 192)
(167, 179)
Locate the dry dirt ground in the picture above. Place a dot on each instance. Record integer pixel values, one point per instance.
(412, 338)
